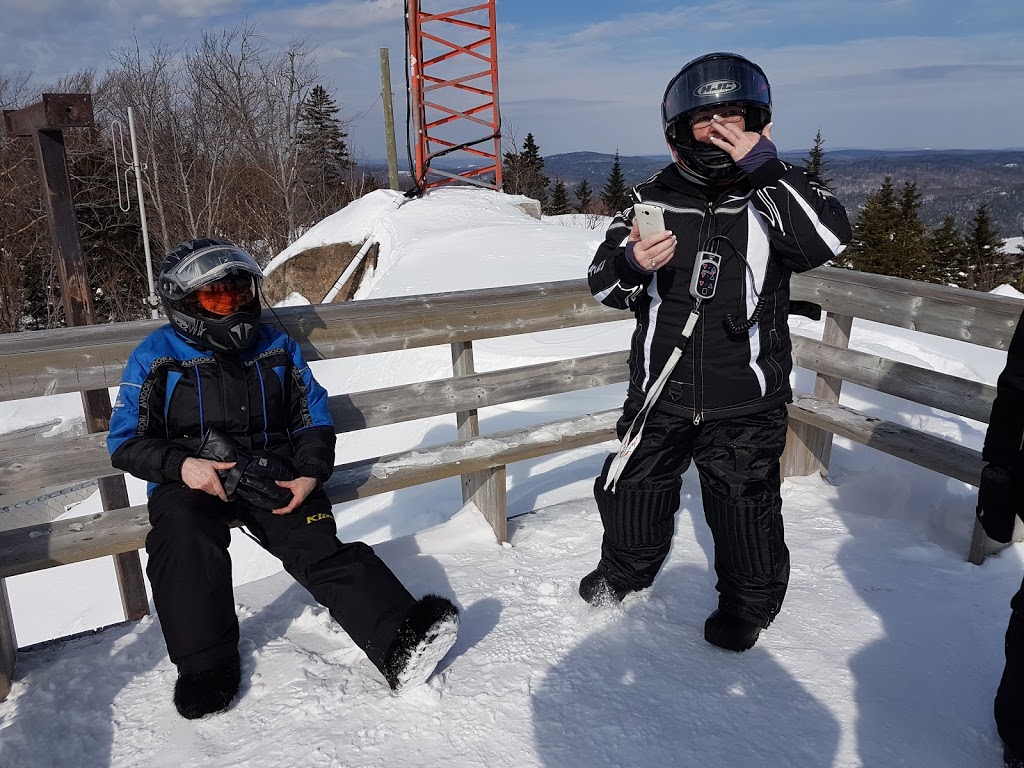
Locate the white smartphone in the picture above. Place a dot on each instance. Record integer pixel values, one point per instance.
(650, 219)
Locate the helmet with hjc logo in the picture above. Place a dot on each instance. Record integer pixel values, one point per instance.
(713, 80)
(210, 292)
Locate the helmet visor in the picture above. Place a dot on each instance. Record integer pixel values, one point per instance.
(206, 266)
(224, 297)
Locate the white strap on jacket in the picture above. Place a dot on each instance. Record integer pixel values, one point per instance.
(631, 441)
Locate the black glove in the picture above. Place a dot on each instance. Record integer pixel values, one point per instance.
(252, 478)
(999, 502)
(805, 308)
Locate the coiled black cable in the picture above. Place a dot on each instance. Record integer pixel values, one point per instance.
(732, 325)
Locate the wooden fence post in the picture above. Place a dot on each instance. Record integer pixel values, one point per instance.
(45, 123)
(389, 118)
(808, 448)
(8, 642)
(486, 489)
(982, 546)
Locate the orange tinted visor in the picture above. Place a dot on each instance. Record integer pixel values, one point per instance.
(225, 297)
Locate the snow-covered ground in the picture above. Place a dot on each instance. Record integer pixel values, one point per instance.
(887, 652)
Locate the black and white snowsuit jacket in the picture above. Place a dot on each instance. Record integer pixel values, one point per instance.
(782, 221)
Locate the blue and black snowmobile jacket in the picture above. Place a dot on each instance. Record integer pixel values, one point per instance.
(266, 398)
(779, 220)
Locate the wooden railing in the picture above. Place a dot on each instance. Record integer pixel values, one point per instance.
(81, 359)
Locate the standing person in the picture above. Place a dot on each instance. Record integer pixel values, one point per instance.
(742, 220)
(221, 414)
(1000, 502)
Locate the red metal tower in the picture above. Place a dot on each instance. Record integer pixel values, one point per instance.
(453, 63)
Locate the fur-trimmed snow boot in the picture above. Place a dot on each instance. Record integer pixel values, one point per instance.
(597, 590)
(197, 694)
(426, 635)
(730, 632)
(1011, 759)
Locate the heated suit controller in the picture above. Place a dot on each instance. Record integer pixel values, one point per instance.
(705, 275)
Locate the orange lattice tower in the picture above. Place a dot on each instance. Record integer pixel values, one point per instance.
(453, 65)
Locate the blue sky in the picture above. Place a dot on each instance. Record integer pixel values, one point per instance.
(589, 74)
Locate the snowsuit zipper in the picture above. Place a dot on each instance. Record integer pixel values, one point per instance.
(697, 367)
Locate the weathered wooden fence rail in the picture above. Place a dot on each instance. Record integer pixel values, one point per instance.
(87, 358)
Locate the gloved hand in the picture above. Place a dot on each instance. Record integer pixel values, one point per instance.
(252, 478)
(805, 308)
(999, 502)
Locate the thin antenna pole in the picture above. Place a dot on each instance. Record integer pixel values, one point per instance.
(137, 169)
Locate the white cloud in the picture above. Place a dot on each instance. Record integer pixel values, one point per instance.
(195, 9)
(599, 85)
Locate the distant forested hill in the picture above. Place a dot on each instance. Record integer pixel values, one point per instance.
(951, 182)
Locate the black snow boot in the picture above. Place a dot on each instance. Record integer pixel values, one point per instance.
(426, 635)
(201, 693)
(1011, 759)
(730, 632)
(597, 590)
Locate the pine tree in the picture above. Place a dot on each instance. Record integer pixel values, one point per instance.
(947, 252)
(584, 197)
(873, 248)
(889, 238)
(522, 173)
(536, 182)
(989, 264)
(910, 239)
(816, 164)
(512, 171)
(1019, 285)
(320, 136)
(559, 205)
(615, 195)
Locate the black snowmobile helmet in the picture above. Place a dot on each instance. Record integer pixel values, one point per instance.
(713, 80)
(197, 263)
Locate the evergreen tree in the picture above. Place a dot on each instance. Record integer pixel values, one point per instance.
(584, 197)
(323, 154)
(522, 173)
(816, 163)
(536, 182)
(889, 238)
(1019, 285)
(615, 195)
(989, 264)
(559, 204)
(321, 138)
(946, 250)
(873, 248)
(910, 239)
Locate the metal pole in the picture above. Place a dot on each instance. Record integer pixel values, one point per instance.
(416, 97)
(336, 288)
(494, 94)
(389, 117)
(137, 170)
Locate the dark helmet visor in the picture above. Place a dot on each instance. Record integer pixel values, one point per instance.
(205, 266)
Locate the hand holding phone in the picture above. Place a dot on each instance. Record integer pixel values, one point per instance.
(650, 219)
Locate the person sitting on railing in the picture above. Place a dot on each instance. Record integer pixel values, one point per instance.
(739, 221)
(221, 414)
(1000, 502)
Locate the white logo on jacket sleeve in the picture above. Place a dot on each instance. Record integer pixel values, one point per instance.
(595, 268)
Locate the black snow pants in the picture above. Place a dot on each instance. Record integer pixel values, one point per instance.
(738, 462)
(189, 569)
(1010, 696)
